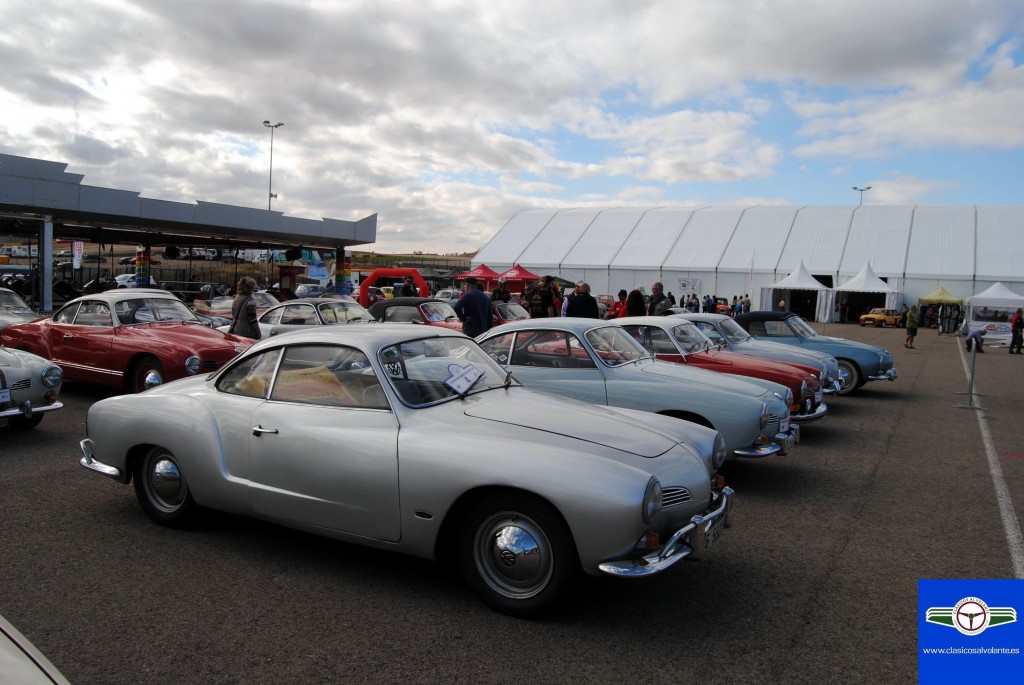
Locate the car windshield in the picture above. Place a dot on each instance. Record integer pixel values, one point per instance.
(802, 328)
(10, 300)
(690, 339)
(733, 331)
(511, 312)
(432, 370)
(338, 311)
(438, 311)
(151, 310)
(614, 346)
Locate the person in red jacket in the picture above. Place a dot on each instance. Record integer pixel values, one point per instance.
(618, 307)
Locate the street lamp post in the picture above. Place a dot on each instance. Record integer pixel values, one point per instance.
(859, 190)
(270, 181)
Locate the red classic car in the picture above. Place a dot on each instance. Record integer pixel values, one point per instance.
(130, 339)
(673, 340)
(428, 310)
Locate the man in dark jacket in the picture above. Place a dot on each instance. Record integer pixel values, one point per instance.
(474, 309)
(583, 303)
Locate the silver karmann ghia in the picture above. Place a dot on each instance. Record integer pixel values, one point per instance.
(417, 442)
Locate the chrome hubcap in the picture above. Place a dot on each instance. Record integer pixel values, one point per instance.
(513, 555)
(165, 483)
(151, 379)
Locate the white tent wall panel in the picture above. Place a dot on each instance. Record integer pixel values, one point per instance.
(653, 238)
(704, 239)
(941, 243)
(599, 280)
(916, 288)
(1000, 243)
(761, 234)
(630, 279)
(878, 235)
(514, 237)
(818, 237)
(556, 239)
(603, 238)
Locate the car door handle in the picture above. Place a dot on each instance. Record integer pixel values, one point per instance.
(68, 335)
(256, 430)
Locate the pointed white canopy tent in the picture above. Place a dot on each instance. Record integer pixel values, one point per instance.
(867, 282)
(992, 309)
(800, 279)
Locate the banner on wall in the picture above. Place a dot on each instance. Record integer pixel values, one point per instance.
(688, 285)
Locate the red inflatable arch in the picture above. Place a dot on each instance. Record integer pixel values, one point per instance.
(364, 296)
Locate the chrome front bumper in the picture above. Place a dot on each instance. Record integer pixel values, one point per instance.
(889, 375)
(26, 409)
(89, 462)
(835, 386)
(693, 540)
(816, 415)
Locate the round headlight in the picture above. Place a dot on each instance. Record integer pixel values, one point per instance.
(718, 457)
(652, 500)
(764, 415)
(192, 365)
(51, 376)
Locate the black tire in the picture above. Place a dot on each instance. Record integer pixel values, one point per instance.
(516, 553)
(21, 423)
(853, 380)
(162, 489)
(147, 367)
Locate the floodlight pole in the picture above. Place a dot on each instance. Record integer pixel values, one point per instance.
(270, 180)
(859, 190)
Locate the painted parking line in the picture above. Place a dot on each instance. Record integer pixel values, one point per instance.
(1014, 539)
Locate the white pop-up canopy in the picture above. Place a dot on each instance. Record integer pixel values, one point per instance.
(867, 282)
(800, 279)
(992, 310)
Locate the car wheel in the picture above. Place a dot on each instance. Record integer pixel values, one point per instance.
(147, 373)
(852, 380)
(517, 554)
(21, 423)
(879, 323)
(162, 489)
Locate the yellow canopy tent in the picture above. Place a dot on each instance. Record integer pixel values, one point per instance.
(941, 296)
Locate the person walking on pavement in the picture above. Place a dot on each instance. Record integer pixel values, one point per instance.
(911, 327)
(583, 303)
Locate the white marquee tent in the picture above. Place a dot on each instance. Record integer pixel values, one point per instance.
(738, 250)
(992, 311)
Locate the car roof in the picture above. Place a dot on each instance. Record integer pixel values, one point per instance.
(649, 320)
(764, 316)
(127, 294)
(578, 325)
(371, 335)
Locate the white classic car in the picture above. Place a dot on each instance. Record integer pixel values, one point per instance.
(29, 387)
(598, 362)
(410, 438)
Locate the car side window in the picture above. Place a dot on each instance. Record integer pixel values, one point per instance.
(497, 348)
(552, 349)
(402, 314)
(67, 314)
(757, 329)
(654, 339)
(273, 317)
(328, 375)
(710, 331)
(777, 329)
(93, 313)
(299, 315)
(250, 377)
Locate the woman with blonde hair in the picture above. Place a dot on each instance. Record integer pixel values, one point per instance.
(243, 310)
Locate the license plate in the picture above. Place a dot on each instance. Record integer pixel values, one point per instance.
(5, 395)
(712, 532)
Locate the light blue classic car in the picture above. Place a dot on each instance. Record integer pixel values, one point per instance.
(860, 362)
(598, 362)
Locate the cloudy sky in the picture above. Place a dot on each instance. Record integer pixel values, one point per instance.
(446, 117)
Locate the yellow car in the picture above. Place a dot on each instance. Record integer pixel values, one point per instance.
(881, 317)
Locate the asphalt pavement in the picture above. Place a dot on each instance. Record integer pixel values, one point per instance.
(815, 582)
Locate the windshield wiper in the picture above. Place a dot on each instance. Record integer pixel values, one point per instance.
(476, 380)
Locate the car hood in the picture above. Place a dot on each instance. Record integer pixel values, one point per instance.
(14, 316)
(853, 344)
(758, 365)
(715, 382)
(16, 359)
(580, 421)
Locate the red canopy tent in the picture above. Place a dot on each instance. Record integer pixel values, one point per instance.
(517, 277)
(481, 273)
